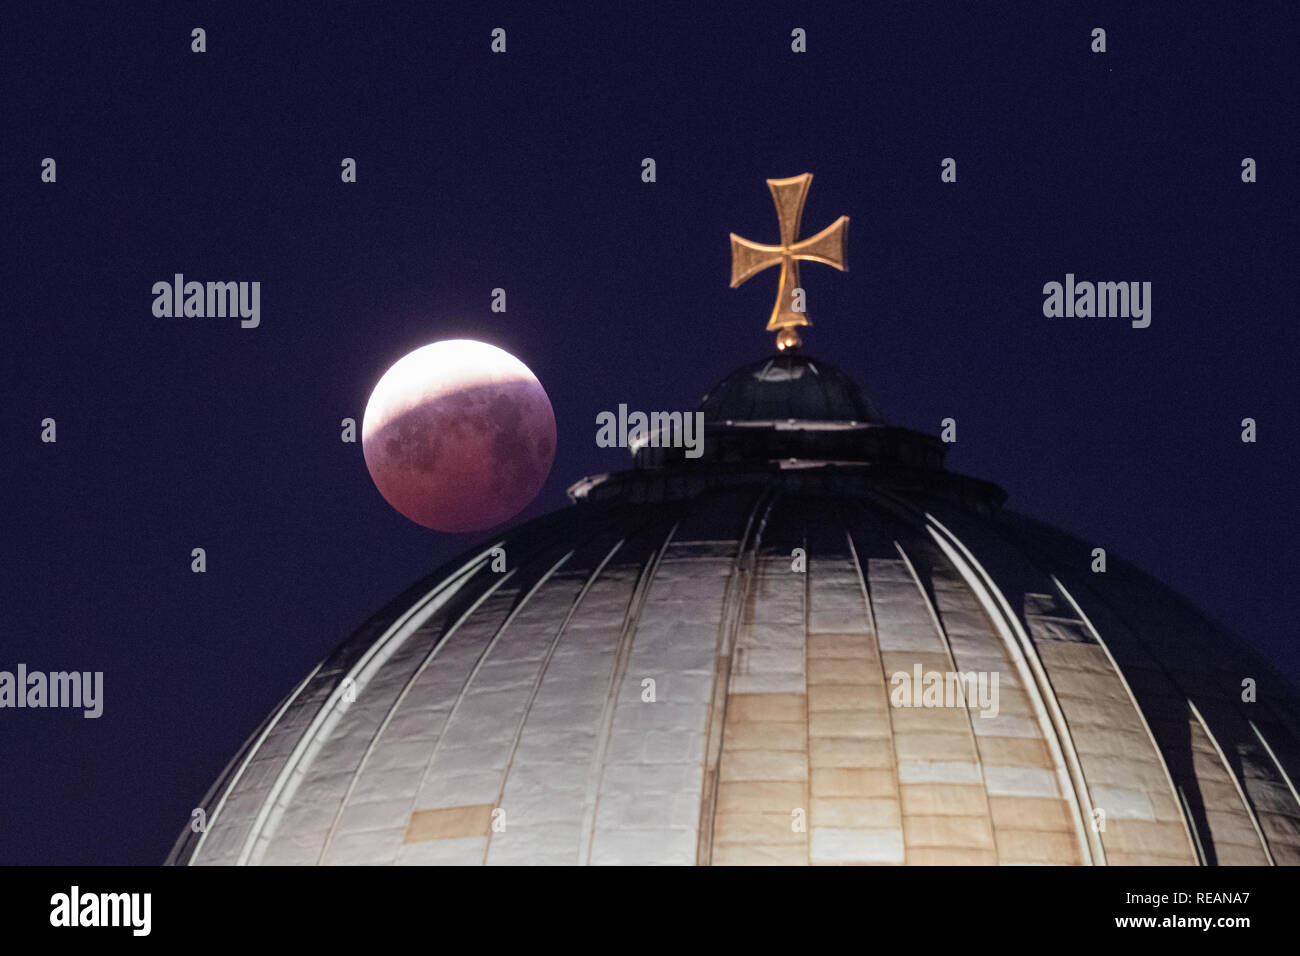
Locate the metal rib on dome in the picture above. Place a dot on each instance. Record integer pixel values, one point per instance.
(659, 684)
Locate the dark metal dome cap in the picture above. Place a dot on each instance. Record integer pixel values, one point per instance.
(789, 386)
(795, 422)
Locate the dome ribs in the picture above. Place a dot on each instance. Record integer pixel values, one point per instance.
(856, 803)
(653, 775)
(483, 755)
(322, 717)
(1105, 716)
(504, 598)
(1125, 790)
(952, 818)
(1028, 760)
(772, 737)
(617, 676)
(387, 827)
(1144, 822)
(1027, 791)
(1150, 633)
(536, 759)
(544, 802)
(758, 731)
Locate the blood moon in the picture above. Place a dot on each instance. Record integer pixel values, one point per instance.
(459, 435)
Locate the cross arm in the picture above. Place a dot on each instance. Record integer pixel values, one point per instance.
(827, 247)
(749, 258)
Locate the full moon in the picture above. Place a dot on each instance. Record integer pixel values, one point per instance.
(459, 436)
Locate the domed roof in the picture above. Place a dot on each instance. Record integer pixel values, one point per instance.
(759, 658)
(788, 386)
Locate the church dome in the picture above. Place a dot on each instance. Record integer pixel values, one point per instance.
(846, 655)
(804, 642)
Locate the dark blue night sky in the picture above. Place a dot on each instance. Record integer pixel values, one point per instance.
(523, 171)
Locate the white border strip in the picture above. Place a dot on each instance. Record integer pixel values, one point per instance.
(1227, 768)
(1034, 677)
(1280, 769)
(330, 712)
(1192, 841)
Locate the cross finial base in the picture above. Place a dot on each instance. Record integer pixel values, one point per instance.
(787, 340)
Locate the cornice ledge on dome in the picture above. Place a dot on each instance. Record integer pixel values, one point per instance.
(793, 475)
(756, 442)
(799, 424)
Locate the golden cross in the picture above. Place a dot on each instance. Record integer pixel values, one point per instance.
(827, 247)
